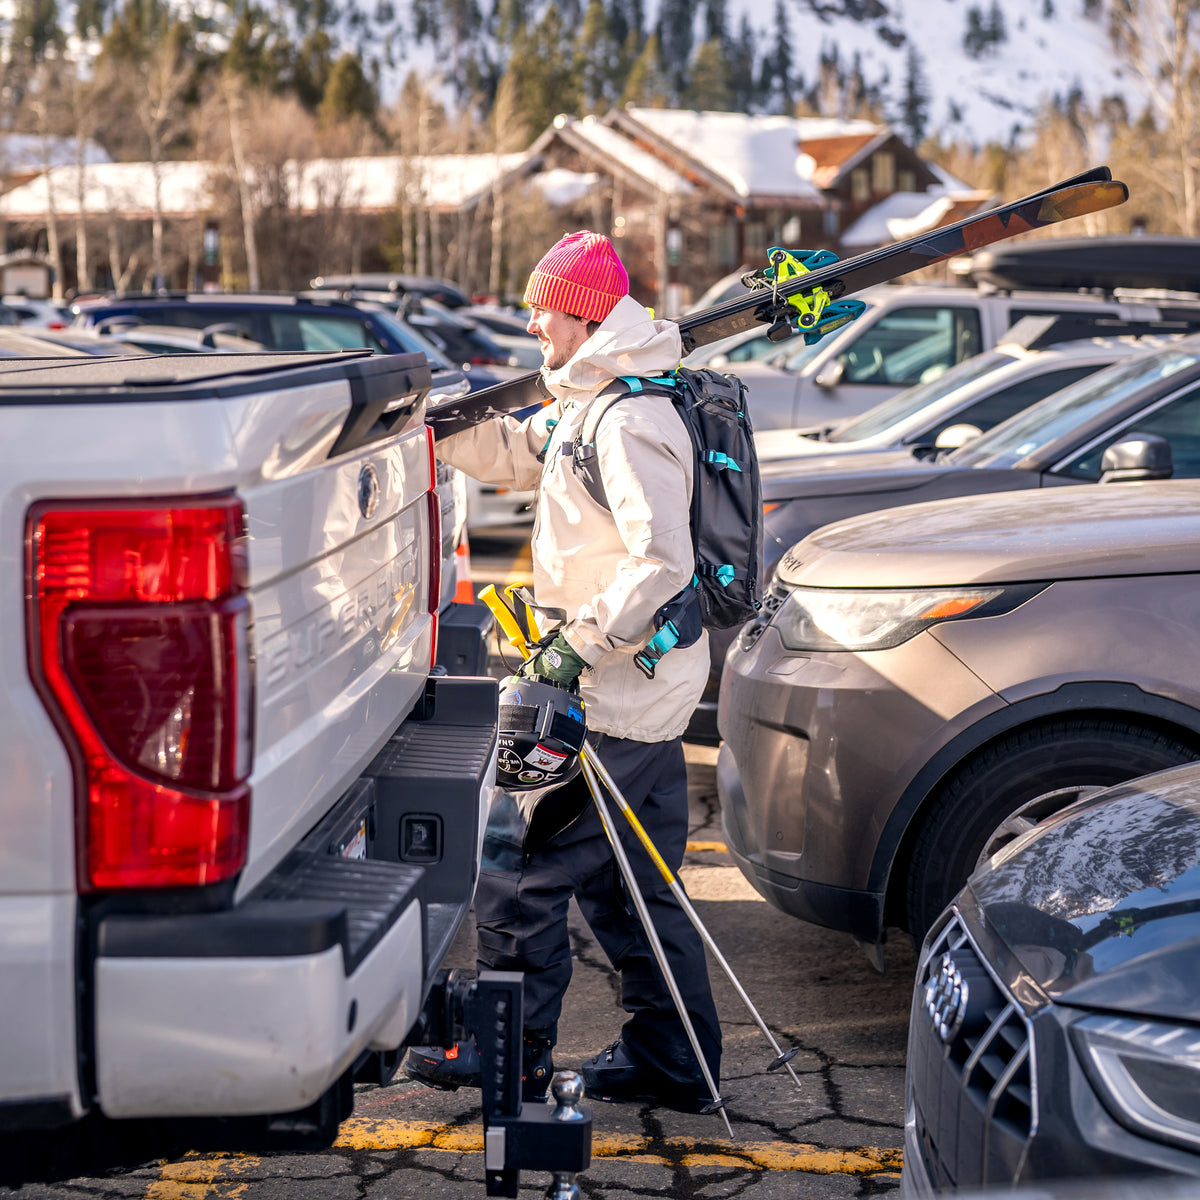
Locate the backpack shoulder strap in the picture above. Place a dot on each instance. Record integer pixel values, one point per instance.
(583, 449)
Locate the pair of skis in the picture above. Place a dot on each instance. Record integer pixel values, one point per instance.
(1093, 191)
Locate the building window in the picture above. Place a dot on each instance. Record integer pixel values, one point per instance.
(755, 239)
(906, 181)
(883, 173)
(860, 184)
(722, 246)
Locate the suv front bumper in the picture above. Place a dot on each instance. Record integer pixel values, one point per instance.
(819, 748)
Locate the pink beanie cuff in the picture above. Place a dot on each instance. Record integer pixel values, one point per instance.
(580, 275)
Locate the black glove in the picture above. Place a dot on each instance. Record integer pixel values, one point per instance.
(556, 662)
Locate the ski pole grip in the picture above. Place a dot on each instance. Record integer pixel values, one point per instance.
(506, 620)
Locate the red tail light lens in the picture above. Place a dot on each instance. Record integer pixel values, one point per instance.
(435, 549)
(139, 645)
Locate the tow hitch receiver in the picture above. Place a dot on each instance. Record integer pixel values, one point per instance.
(536, 1137)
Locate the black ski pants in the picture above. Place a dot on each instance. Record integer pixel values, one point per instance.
(524, 891)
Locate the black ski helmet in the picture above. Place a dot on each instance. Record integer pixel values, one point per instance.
(542, 730)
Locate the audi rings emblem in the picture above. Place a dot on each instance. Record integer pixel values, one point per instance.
(946, 997)
(368, 491)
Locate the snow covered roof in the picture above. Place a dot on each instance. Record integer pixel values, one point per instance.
(368, 183)
(127, 188)
(591, 135)
(560, 187)
(758, 156)
(907, 214)
(24, 152)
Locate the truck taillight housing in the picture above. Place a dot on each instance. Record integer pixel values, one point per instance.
(139, 643)
(435, 550)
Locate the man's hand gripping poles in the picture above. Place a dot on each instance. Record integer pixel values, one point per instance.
(519, 623)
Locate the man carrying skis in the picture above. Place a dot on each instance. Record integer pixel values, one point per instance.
(609, 569)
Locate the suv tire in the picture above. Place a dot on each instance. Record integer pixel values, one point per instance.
(1013, 784)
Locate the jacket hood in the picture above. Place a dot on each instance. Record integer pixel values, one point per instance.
(629, 342)
(1101, 906)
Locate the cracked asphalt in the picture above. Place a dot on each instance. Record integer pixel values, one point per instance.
(839, 1135)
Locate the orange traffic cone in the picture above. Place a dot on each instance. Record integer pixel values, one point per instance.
(464, 593)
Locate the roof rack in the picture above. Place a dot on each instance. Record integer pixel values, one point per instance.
(1052, 329)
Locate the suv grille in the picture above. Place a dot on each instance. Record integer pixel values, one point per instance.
(971, 1063)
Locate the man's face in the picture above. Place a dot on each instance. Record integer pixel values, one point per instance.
(559, 335)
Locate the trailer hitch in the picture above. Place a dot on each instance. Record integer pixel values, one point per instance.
(536, 1137)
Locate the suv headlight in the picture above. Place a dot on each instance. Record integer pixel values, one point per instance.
(823, 619)
(1147, 1073)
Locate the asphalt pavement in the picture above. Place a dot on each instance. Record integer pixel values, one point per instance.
(837, 1135)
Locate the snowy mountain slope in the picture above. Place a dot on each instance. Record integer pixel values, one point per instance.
(1049, 47)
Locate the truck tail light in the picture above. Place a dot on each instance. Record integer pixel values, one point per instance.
(139, 644)
(435, 550)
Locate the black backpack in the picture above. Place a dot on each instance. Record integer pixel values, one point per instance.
(726, 514)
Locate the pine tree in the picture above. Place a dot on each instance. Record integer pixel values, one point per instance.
(645, 85)
(542, 74)
(778, 85)
(716, 22)
(996, 28)
(35, 31)
(744, 90)
(676, 37)
(708, 88)
(975, 39)
(914, 100)
(348, 93)
(596, 57)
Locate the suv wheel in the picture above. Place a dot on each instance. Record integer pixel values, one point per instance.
(1014, 784)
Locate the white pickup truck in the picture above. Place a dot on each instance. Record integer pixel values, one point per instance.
(242, 810)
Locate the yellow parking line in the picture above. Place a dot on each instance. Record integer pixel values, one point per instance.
(703, 847)
(203, 1177)
(364, 1134)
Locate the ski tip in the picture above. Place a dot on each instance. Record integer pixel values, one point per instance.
(1080, 200)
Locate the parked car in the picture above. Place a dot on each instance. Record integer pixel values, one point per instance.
(802, 494)
(174, 339)
(397, 284)
(281, 322)
(930, 680)
(1055, 1030)
(907, 335)
(508, 330)
(42, 314)
(1036, 357)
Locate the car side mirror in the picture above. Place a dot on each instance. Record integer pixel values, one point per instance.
(832, 375)
(954, 436)
(1146, 456)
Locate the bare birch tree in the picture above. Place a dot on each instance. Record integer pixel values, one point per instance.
(1160, 40)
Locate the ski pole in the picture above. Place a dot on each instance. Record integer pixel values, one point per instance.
(660, 954)
(782, 1058)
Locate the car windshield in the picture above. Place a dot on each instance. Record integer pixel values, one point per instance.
(1059, 413)
(902, 406)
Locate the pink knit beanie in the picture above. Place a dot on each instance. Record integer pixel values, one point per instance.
(580, 275)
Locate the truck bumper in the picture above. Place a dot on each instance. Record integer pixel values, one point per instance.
(261, 1008)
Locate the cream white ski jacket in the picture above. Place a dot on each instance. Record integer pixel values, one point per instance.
(609, 571)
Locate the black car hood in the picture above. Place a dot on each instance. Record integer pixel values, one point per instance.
(1101, 906)
(838, 474)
